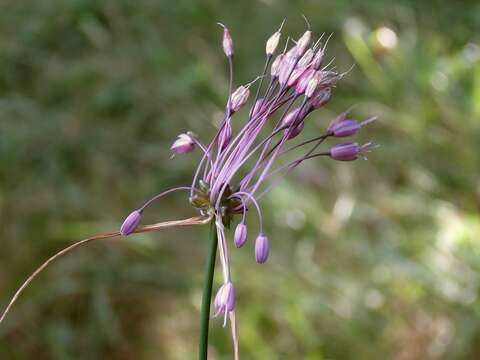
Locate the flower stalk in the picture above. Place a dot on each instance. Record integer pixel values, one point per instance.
(207, 293)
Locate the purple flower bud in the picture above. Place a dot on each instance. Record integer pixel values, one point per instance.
(224, 300)
(294, 133)
(256, 108)
(321, 97)
(344, 128)
(261, 249)
(303, 81)
(227, 41)
(130, 223)
(349, 151)
(183, 144)
(240, 236)
(318, 59)
(239, 98)
(225, 135)
(294, 116)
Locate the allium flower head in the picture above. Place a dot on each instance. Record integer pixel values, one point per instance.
(238, 168)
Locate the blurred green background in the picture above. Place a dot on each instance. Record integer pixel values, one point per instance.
(376, 259)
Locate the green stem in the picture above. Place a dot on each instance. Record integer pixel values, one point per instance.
(207, 293)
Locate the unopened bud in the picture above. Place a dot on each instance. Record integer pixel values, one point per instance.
(344, 128)
(306, 58)
(227, 41)
(292, 133)
(349, 151)
(295, 76)
(312, 84)
(294, 116)
(272, 43)
(256, 108)
(303, 43)
(321, 97)
(130, 223)
(225, 135)
(183, 144)
(240, 236)
(286, 70)
(303, 81)
(275, 68)
(239, 98)
(318, 59)
(262, 249)
(224, 300)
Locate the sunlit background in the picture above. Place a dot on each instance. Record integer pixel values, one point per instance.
(376, 259)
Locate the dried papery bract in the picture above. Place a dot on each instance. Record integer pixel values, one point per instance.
(201, 220)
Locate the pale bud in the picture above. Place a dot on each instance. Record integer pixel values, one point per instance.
(312, 84)
(272, 43)
(303, 43)
(227, 41)
(239, 98)
(286, 69)
(306, 58)
(275, 68)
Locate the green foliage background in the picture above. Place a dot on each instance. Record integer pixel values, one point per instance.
(376, 259)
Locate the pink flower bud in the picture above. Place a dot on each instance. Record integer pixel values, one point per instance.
(261, 249)
(130, 223)
(344, 128)
(227, 41)
(295, 76)
(240, 236)
(302, 83)
(239, 98)
(183, 144)
(286, 69)
(318, 59)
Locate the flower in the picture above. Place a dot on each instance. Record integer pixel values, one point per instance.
(349, 151)
(130, 223)
(224, 301)
(240, 236)
(262, 249)
(235, 166)
(184, 144)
